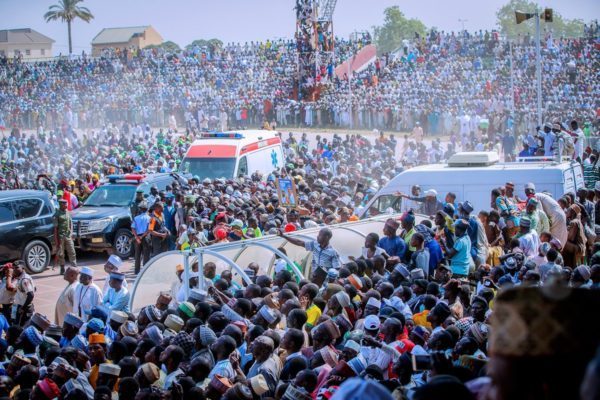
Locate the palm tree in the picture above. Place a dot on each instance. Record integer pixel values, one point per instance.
(67, 11)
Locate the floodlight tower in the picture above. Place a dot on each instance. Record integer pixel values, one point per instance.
(315, 45)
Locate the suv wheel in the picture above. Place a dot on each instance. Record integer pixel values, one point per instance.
(123, 243)
(36, 256)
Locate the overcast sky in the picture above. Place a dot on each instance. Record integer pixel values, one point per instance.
(183, 21)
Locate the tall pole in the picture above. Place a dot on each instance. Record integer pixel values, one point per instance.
(512, 85)
(538, 68)
(350, 117)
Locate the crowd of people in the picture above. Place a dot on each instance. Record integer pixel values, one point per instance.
(458, 307)
(464, 78)
(444, 302)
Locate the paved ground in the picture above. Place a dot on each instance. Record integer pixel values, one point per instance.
(50, 283)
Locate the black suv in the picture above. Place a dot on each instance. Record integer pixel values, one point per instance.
(104, 220)
(27, 228)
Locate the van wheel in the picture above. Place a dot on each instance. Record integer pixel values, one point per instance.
(36, 256)
(123, 245)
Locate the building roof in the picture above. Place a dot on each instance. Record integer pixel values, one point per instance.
(118, 35)
(23, 36)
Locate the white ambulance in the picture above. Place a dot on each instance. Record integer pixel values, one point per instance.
(233, 154)
(473, 175)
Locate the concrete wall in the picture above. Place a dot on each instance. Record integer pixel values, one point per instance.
(30, 50)
(150, 37)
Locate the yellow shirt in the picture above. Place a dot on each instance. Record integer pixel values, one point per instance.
(421, 319)
(313, 313)
(94, 372)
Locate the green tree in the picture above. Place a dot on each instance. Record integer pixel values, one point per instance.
(168, 46)
(396, 27)
(211, 44)
(67, 11)
(560, 26)
(198, 42)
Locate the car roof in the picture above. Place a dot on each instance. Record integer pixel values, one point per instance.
(146, 179)
(19, 193)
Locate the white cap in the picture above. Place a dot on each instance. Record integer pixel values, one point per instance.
(351, 344)
(530, 186)
(431, 193)
(372, 323)
(374, 302)
(118, 316)
(115, 260)
(87, 271)
(109, 369)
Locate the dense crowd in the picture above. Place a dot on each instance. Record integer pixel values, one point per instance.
(463, 77)
(444, 302)
(458, 307)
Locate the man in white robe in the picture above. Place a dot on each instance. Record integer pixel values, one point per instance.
(87, 294)
(113, 264)
(65, 301)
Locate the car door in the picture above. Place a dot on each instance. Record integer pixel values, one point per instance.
(26, 213)
(11, 235)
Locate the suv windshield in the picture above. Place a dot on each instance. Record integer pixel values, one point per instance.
(112, 196)
(209, 167)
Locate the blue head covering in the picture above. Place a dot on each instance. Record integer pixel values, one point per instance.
(33, 335)
(96, 325)
(97, 312)
(79, 342)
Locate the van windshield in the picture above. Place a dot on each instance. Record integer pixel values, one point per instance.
(111, 196)
(212, 168)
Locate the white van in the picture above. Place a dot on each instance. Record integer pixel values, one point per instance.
(472, 176)
(233, 154)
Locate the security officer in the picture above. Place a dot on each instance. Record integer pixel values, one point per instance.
(135, 207)
(158, 231)
(190, 213)
(63, 231)
(139, 228)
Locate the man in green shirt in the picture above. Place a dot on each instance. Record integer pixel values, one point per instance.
(63, 230)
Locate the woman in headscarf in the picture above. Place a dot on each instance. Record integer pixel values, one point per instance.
(574, 249)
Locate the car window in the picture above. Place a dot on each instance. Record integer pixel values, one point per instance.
(27, 208)
(47, 209)
(145, 187)
(6, 212)
(389, 201)
(243, 167)
(162, 184)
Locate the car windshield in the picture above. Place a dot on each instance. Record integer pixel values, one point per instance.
(209, 167)
(111, 196)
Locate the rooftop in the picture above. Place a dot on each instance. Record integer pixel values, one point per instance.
(23, 36)
(118, 35)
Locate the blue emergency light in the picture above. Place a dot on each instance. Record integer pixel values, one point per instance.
(221, 135)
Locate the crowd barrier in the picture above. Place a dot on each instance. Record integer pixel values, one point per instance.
(158, 275)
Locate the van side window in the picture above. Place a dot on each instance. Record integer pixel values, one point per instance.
(6, 212)
(389, 201)
(243, 167)
(27, 208)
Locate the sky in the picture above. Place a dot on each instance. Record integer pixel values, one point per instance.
(183, 21)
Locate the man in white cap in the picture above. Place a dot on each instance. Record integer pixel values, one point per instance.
(87, 294)
(65, 301)
(113, 264)
(117, 297)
